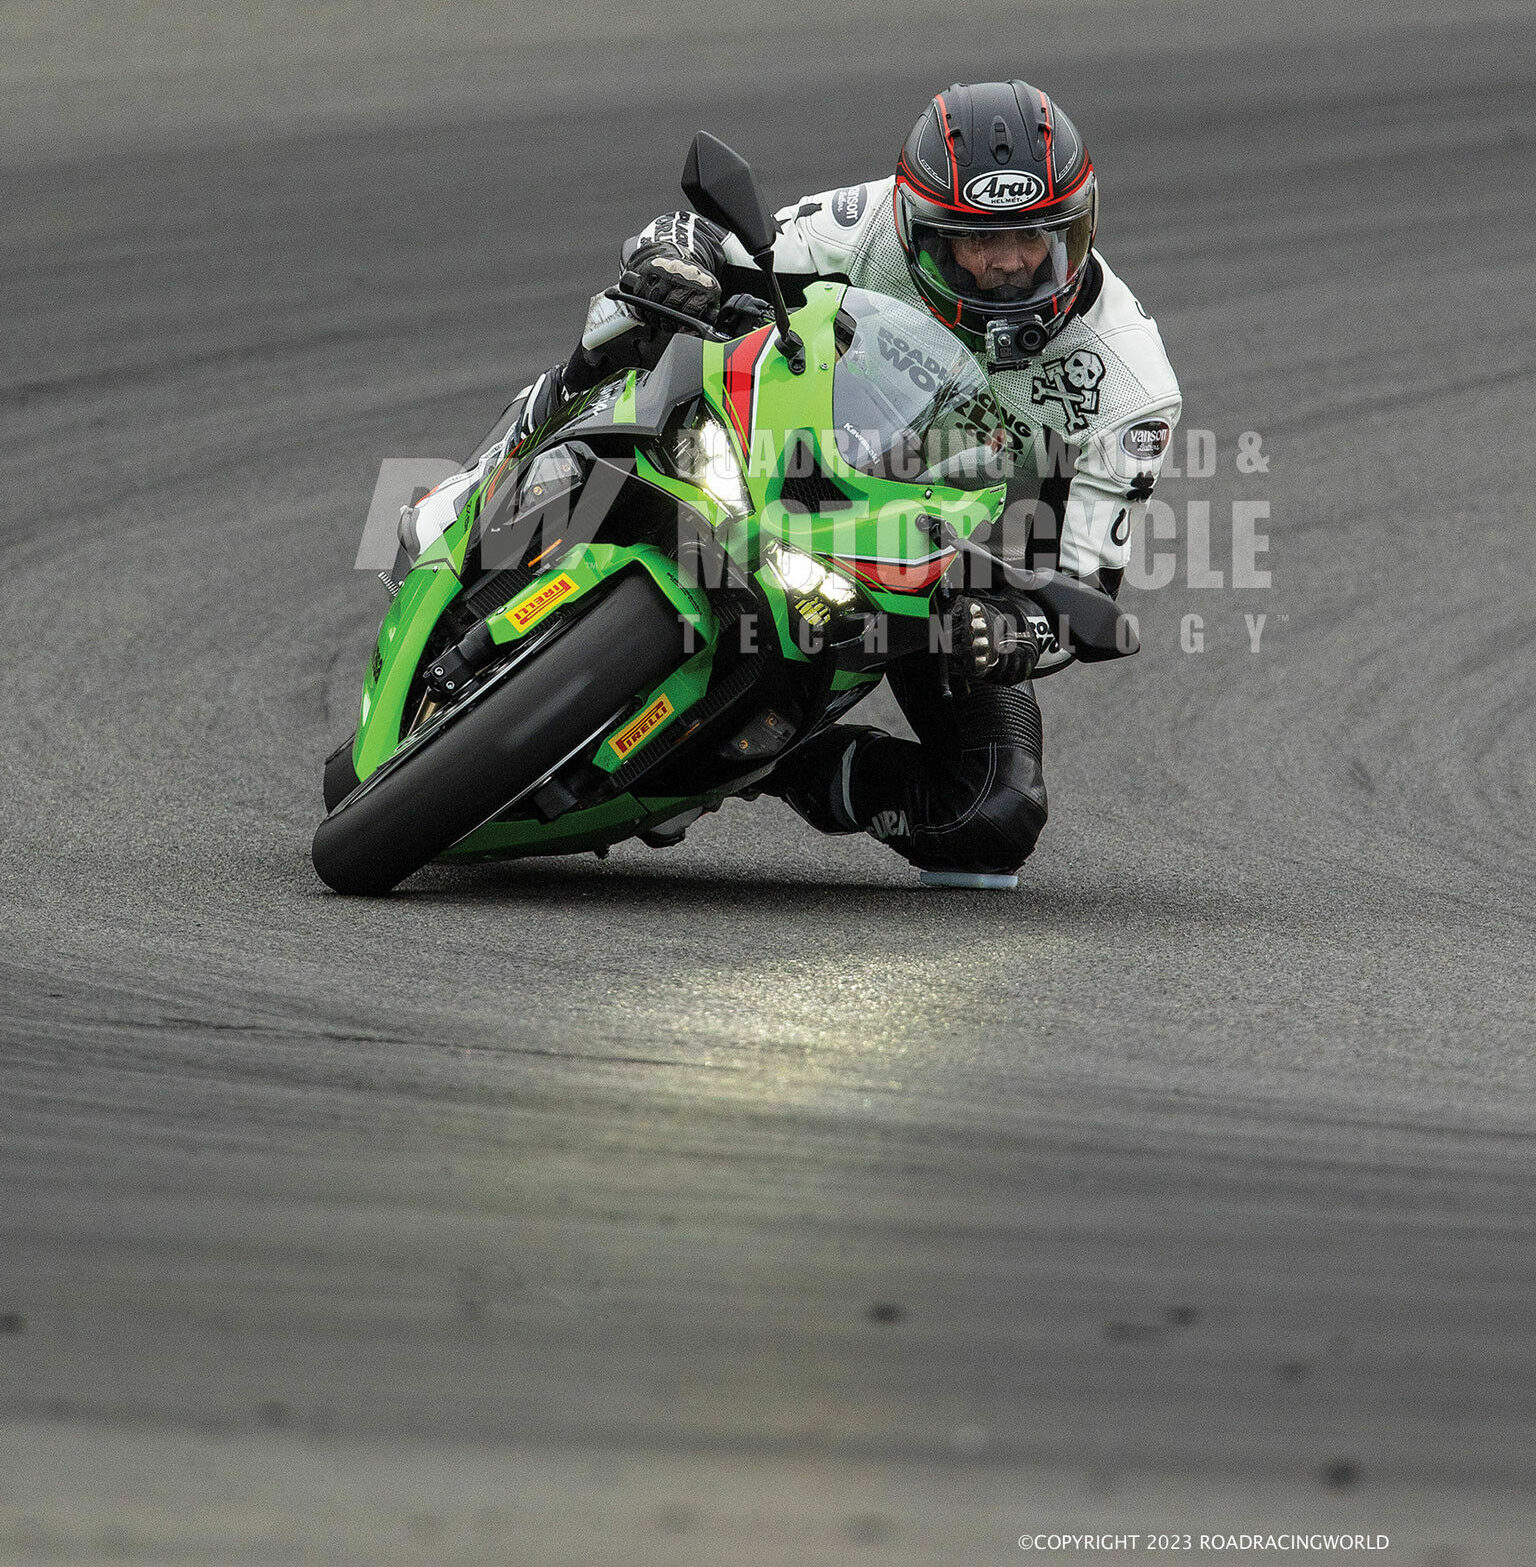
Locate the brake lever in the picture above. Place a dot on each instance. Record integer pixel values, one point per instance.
(1024, 578)
(696, 323)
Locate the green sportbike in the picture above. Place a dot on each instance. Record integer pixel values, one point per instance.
(687, 572)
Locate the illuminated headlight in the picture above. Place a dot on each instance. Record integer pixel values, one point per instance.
(705, 457)
(798, 572)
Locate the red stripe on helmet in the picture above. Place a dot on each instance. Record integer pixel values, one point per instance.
(1078, 183)
(904, 170)
(989, 212)
(954, 168)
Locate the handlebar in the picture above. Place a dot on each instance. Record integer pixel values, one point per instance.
(704, 328)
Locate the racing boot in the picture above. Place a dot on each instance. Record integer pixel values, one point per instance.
(815, 780)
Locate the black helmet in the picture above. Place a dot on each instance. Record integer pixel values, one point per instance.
(995, 178)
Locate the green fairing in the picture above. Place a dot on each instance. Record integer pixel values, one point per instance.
(588, 565)
(422, 598)
(582, 830)
(881, 522)
(682, 688)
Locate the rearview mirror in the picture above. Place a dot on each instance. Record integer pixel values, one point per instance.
(722, 187)
(1087, 619)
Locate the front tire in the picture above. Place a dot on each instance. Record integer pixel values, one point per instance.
(626, 644)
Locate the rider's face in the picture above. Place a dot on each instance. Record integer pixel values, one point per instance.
(1002, 258)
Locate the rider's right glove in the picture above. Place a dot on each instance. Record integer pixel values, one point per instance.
(663, 274)
(992, 641)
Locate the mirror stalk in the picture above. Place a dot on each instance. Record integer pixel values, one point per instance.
(789, 340)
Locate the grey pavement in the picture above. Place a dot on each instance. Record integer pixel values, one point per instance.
(744, 1202)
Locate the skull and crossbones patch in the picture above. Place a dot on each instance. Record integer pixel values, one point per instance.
(1072, 384)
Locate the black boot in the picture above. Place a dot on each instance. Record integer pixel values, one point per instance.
(540, 402)
(814, 779)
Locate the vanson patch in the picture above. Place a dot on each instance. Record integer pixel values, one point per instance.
(848, 205)
(539, 603)
(1146, 441)
(628, 738)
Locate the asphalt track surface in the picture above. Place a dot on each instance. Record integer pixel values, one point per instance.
(743, 1202)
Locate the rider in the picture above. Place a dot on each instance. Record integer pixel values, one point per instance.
(989, 222)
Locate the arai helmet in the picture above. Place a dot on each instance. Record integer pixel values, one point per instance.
(996, 206)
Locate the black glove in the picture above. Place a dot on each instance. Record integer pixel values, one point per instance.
(743, 313)
(665, 275)
(992, 641)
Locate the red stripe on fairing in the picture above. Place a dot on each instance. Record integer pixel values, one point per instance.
(899, 576)
(740, 370)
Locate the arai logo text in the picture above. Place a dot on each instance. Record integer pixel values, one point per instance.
(1002, 189)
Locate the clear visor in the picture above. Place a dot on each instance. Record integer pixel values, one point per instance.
(1004, 266)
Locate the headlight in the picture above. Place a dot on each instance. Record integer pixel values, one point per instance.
(705, 457)
(798, 572)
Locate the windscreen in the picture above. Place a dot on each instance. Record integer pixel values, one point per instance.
(909, 401)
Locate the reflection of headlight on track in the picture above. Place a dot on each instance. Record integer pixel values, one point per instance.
(705, 457)
(798, 572)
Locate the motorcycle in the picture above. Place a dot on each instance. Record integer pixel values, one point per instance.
(642, 607)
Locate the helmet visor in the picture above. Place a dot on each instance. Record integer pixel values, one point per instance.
(1003, 267)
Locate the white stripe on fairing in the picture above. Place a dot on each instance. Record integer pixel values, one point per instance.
(757, 365)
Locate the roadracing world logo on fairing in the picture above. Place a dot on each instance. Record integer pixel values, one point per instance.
(923, 370)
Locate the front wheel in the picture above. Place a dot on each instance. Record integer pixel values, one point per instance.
(503, 744)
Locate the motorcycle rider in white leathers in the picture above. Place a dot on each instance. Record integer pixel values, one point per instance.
(989, 223)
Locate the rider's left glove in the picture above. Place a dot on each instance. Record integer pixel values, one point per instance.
(992, 642)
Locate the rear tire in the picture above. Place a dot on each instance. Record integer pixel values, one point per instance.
(628, 642)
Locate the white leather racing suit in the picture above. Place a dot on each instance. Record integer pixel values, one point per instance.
(1092, 418)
